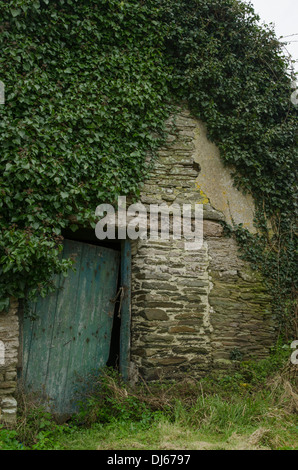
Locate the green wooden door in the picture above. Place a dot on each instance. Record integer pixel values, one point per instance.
(71, 334)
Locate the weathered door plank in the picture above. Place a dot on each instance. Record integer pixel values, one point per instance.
(72, 334)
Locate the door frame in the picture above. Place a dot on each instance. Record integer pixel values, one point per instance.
(125, 328)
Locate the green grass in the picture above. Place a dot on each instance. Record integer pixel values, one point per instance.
(251, 409)
(214, 425)
(212, 422)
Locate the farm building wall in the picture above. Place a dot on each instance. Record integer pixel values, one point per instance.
(194, 312)
(9, 338)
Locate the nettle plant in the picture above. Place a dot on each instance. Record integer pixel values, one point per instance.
(89, 85)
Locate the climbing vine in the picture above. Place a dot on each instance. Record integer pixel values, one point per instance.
(89, 85)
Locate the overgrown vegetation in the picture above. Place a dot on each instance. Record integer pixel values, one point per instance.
(255, 407)
(89, 85)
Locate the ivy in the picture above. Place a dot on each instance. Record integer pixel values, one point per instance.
(89, 86)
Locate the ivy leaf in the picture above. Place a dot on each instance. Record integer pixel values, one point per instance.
(16, 12)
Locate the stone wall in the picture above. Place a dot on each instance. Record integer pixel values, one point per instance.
(194, 312)
(170, 310)
(9, 337)
(240, 309)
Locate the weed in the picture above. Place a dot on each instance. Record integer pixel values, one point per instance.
(251, 408)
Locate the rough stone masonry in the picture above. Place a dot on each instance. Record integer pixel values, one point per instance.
(9, 337)
(192, 312)
(196, 312)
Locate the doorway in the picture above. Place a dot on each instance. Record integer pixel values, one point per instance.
(82, 326)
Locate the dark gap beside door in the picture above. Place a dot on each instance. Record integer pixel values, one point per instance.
(114, 357)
